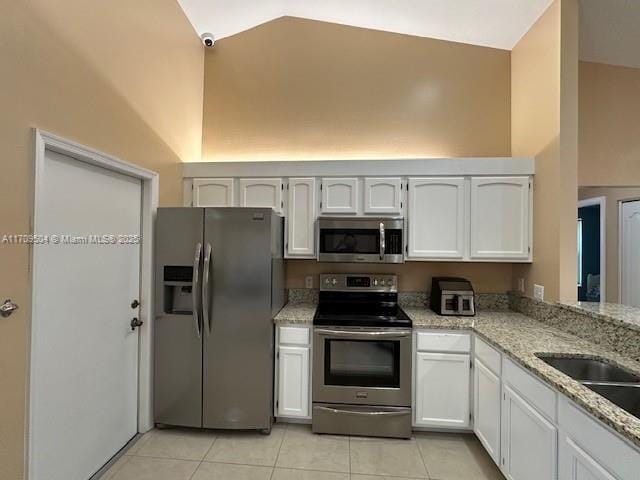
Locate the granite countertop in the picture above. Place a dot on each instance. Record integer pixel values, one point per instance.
(296, 312)
(520, 338)
(611, 312)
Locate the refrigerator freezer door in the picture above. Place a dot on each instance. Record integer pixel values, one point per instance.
(238, 338)
(178, 325)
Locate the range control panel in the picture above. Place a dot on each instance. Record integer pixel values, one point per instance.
(348, 282)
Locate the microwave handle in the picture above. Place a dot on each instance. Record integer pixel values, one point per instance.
(382, 241)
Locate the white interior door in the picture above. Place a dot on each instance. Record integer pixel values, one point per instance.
(84, 383)
(630, 253)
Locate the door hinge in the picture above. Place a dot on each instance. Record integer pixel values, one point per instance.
(277, 404)
(321, 205)
(278, 354)
(406, 249)
(321, 187)
(400, 204)
(281, 203)
(470, 416)
(287, 186)
(471, 364)
(282, 186)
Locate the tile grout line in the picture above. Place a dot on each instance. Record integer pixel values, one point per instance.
(426, 469)
(349, 448)
(204, 456)
(275, 463)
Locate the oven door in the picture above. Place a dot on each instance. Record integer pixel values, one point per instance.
(368, 240)
(362, 366)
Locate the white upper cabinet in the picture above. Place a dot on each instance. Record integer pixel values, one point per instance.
(437, 218)
(383, 195)
(500, 218)
(261, 192)
(339, 195)
(301, 215)
(213, 192)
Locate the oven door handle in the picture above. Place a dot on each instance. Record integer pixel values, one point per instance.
(361, 413)
(373, 334)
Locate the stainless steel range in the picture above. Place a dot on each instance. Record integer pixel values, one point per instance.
(362, 358)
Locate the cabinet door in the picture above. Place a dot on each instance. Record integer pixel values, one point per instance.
(293, 381)
(486, 411)
(442, 390)
(577, 464)
(261, 192)
(301, 217)
(437, 218)
(500, 218)
(339, 195)
(529, 441)
(213, 192)
(383, 195)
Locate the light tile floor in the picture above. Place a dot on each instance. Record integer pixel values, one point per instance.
(292, 452)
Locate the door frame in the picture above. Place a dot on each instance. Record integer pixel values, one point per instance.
(620, 205)
(150, 181)
(602, 202)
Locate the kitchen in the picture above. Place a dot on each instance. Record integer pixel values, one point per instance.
(356, 240)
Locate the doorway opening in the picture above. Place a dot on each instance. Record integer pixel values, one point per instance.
(591, 243)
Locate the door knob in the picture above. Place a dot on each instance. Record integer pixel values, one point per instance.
(135, 304)
(135, 322)
(7, 308)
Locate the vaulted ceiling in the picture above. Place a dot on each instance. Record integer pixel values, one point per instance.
(491, 23)
(609, 31)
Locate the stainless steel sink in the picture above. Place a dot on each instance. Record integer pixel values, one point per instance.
(627, 397)
(621, 387)
(590, 370)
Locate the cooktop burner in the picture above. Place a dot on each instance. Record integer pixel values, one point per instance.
(351, 300)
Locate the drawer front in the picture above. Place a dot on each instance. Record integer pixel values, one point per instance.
(531, 389)
(488, 356)
(443, 342)
(294, 335)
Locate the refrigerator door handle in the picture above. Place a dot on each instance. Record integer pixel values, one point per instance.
(194, 288)
(205, 288)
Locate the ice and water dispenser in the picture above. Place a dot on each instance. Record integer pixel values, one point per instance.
(178, 285)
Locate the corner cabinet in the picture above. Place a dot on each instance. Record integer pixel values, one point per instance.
(437, 220)
(293, 372)
(500, 218)
(300, 218)
(261, 192)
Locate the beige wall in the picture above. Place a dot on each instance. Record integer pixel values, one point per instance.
(412, 276)
(609, 125)
(544, 125)
(116, 76)
(613, 195)
(302, 89)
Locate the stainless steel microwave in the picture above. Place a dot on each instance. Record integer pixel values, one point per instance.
(360, 239)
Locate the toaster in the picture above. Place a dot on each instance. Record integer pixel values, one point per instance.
(452, 296)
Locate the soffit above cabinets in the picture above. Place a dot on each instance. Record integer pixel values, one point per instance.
(490, 23)
(334, 168)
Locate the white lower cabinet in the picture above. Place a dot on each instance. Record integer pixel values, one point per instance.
(293, 373)
(590, 451)
(529, 440)
(486, 409)
(442, 381)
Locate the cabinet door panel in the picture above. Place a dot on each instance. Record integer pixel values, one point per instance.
(293, 381)
(529, 441)
(442, 390)
(576, 464)
(213, 192)
(261, 192)
(340, 195)
(486, 422)
(500, 218)
(301, 217)
(437, 218)
(383, 195)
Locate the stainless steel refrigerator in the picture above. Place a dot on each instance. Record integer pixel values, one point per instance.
(219, 283)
